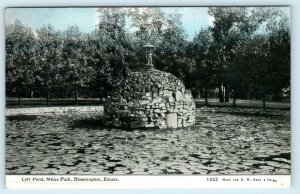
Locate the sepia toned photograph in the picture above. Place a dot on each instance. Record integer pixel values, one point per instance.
(148, 91)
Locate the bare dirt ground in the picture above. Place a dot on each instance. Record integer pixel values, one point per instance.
(224, 141)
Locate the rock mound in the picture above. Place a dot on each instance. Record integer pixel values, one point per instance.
(150, 98)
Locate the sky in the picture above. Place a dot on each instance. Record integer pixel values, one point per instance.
(193, 18)
(86, 18)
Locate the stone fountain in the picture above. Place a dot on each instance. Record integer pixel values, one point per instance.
(150, 98)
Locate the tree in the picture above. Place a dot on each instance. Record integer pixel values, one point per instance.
(148, 25)
(202, 50)
(279, 55)
(77, 71)
(171, 54)
(253, 57)
(165, 32)
(233, 29)
(113, 40)
(245, 53)
(20, 69)
(225, 19)
(48, 58)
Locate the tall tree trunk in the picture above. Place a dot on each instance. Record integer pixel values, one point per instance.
(221, 97)
(264, 101)
(226, 93)
(234, 98)
(48, 96)
(101, 95)
(206, 98)
(19, 96)
(76, 95)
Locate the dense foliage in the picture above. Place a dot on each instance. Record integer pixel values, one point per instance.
(245, 54)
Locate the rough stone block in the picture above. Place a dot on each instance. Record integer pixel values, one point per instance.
(157, 100)
(170, 98)
(150, 125)
(178, 96)
(171, 120)
(143, 102)
(157, 111)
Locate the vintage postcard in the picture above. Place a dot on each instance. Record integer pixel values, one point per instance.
(148, 97)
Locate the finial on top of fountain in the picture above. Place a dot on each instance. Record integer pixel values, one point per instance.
(149, 49)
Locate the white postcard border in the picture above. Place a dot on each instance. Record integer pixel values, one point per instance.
(146, 182)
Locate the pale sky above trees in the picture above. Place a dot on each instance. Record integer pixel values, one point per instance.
(193, 18)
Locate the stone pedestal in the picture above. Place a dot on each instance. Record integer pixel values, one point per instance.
(171, 120)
